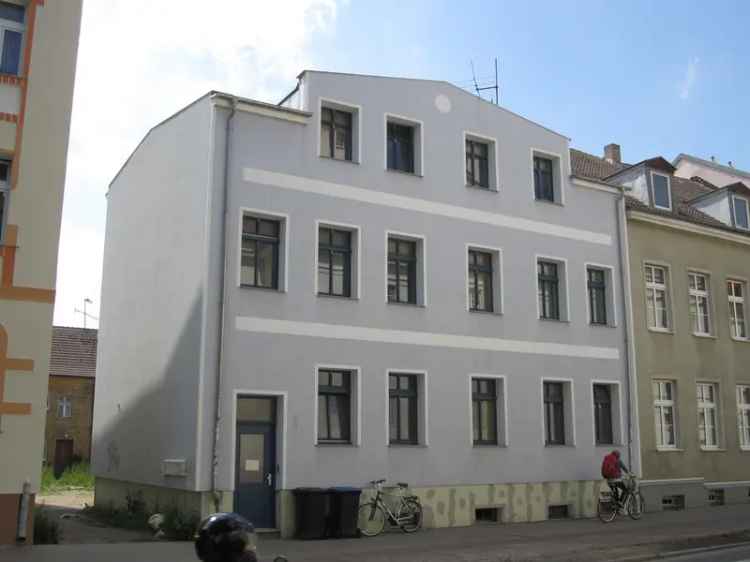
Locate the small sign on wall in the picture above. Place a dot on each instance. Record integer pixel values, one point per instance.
(252, 465)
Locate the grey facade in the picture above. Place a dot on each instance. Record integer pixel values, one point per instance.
(168, 346)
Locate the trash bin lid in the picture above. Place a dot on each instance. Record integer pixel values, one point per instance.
(345, 489)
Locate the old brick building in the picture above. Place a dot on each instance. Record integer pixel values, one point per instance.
(71, 396)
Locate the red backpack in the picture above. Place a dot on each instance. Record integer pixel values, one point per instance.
(610, 466)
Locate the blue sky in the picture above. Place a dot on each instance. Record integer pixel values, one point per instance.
(659, 78)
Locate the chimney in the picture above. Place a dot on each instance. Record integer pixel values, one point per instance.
(730, 164)
(612, 153)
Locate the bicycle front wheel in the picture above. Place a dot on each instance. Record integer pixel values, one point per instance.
(411, 516)
(371, 519)
(607, 510)
(636, 505)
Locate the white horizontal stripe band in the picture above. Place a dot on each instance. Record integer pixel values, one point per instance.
(405, 337)
(308, 185)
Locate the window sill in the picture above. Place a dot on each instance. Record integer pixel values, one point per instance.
(267, 289)
(489, 446)
(406, 446)
(608, 445)
(337, 297)
(597, 325)
(482, 188)
(356, 162)
(406, 304)
(401, 172)
(705, 336)
(548, 202)
(669, 450)
(744, 449)
(713, 450)
(485, 312)
(335, 444)
(742, 340)
(563, 446)
(661, 331)
(555, 320)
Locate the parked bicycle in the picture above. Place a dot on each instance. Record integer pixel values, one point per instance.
(407, 513)
(632, 502)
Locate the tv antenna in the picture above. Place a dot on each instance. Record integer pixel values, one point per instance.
(85, 314)
(483, 87)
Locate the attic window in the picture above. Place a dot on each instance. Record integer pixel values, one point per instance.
(661, 196)
(741, 215)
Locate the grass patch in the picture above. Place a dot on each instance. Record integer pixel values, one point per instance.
(76, 477)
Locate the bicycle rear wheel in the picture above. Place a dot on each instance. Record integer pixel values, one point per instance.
(371, 519)
(606, 510)
(411, 516)
(636, 505)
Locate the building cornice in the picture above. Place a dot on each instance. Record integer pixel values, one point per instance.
(597, 185)
(689, 227)
(260, 108)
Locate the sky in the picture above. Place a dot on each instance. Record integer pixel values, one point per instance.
(658, 78)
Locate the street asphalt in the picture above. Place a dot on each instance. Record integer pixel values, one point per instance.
(579, 540)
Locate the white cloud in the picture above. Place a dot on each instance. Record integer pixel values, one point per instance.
(140, 61)
(691, 74)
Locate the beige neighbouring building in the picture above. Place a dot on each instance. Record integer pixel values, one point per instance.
(38, 48)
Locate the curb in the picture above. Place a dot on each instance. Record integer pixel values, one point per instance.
(684, 552)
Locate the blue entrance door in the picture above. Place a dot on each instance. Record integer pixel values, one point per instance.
(254, 496)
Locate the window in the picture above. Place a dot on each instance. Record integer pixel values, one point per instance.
(737, 325)
(4, 196)
(402, 270)
(336, 133)
(480, 281)
(260, 252)
(11, 29)
(554, 413)
(700, 315)
(741, 215)
(548, 281)
(603, 415)
(403, 408)
(743, 414)
(664, 414)
(484, 411)
(334, 406)
(657, 302)
(64, 407)
(544, 186)
(334, 262)
(661, 193)
(597, 285)
(400, 146)
(708, 431)
(477, 163)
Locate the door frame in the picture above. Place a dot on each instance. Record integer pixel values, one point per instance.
(281, 428)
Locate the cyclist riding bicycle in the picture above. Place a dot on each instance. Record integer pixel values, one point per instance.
(612, 469)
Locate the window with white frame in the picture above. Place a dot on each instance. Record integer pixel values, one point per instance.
(547, 177)
(262, 255)
(403, 140)
(480, 164)
(741, 214)
(405, 283)
(4, 196)
(11, 31)
(551, 284)
(484, 279)
(558, 412)
(657, 297)
(337, 272)
(487, 410)
(708, 417)
(743, 414)
(64, 407)
(664, 414)
(407, 408)
(335, 405)
(339, 130)
(736, 294)
(661, 194)
(700, 305)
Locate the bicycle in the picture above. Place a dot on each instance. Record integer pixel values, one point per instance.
(373, 514)
(633, 502)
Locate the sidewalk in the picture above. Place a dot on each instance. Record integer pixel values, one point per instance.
(579, 540)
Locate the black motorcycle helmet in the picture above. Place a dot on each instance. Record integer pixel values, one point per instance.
(226, 537)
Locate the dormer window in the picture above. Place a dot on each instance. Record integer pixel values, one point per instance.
(741, 214)
(660, 192)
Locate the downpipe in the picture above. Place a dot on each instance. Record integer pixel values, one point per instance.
(23, 513)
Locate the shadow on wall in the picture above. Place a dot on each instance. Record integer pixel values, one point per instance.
(135, 431)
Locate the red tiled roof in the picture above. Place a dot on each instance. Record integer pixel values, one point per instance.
(73, 352)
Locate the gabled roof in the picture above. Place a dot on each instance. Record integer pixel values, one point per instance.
(73, 352)
(737, 187)
(585, 165)
(714, 165)
(657, 163)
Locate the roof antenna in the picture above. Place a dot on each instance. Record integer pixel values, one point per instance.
(479, 89)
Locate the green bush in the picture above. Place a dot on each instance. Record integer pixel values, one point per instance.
(122, 518)
(178, 525)
(76, 477)
(46, 529)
